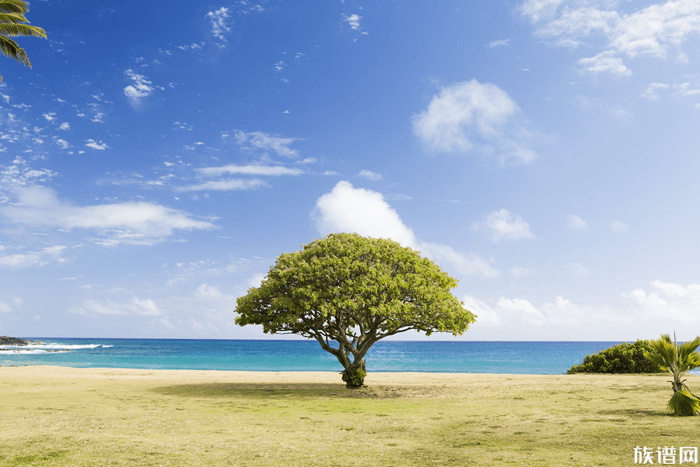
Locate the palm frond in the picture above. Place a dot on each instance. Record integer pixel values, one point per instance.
(12, 29)
(14, 6)
(15, 18)
(11, 49)
(684, 404)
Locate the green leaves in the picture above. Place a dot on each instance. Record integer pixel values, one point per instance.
(12, 23)
(354, 290)
(621, 358)
(684, 404)
(677, 359)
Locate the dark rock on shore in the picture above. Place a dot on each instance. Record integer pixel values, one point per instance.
(16, 341)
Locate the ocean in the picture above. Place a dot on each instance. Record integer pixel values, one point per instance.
(541, 358)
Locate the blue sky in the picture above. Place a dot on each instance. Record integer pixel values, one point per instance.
(159, 156)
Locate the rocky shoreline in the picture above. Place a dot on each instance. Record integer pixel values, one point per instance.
(17, 342)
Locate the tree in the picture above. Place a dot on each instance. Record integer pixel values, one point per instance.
(13, 23)
(678, 359)
(348, 292)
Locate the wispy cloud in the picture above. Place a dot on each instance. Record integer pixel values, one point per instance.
(576, 224)
(219, 23)
(502, 225)
(249, 170)
(260, 141)
(354, 21)
(369, 175)
(618, 227)
(133, 307)
(134, 222)
(34, 258)
(468, 114)
(139, 90)
(604, 62)
(649, 31)
(91, 143)
(651, 92)
(225, 185)
(62, 143)
(499, 43)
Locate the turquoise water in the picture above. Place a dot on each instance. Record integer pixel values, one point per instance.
(278, 355)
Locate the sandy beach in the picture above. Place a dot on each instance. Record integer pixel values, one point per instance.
(67, 416)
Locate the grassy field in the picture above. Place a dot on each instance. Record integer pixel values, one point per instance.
(96, 417)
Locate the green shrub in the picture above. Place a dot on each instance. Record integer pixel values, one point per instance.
(622, 358)
(354, 379)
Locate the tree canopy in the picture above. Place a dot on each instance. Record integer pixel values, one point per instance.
(13, 23)
(348, 291)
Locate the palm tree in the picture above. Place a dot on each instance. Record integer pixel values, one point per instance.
(678, 359)
(13, 23)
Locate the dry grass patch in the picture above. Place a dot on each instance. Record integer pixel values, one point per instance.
(85, 417)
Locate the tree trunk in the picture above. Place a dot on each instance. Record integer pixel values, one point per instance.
(354, 374)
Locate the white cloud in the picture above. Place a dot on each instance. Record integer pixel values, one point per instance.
(64, 126)
(9, 308)
(618, 227)
(649, 31)
(685, 90)
(348, 209)
(50, 116)
(354, 21)
(369, 175)
(538, 10)
(255, 280)
(518, 305)
(468, 113)
(91, 143)
(62, 143)
(604, 62)
(669, 301)
(502, 225)
(193, 46)
(225, 185)
(651, 92)
(219, 19)
(34, 258)
(486, 315)
(576, 224)
(258, 140)
(499, 43)
(621, 114)
(134, 222)
(662, 308)
(136, 92)
(249, 170)
(519, 314)
(133, 307)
